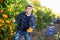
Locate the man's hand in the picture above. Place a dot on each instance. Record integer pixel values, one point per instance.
(29, 29)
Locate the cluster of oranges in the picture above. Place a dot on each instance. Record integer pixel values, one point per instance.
(2, 22)
(4, 16)
(11, 31)
(9, 10)
(7, 21)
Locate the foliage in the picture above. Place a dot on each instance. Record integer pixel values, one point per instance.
(43, 19)
(9, 9)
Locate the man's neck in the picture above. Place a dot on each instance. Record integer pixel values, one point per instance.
(28, 14)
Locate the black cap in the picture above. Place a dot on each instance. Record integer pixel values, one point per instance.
(28, 5)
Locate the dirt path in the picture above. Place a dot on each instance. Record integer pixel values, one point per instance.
(37, 35)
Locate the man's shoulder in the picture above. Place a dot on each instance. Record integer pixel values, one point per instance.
(22, 13)
(33, 15)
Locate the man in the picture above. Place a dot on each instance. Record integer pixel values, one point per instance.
(26, 24)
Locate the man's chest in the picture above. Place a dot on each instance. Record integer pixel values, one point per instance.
(26, 18)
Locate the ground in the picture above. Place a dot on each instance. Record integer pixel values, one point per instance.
(40, 34)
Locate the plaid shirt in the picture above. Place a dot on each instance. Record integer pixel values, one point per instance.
(24, 21)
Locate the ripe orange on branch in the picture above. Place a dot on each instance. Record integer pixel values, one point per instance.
(1, 21)
(1, 11)
(6, 38)
(8, 21)
(10, 27)
(11, 33)
(1, 24)
(5, 16)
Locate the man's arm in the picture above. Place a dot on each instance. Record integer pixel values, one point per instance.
(32, 25)
(18, 18)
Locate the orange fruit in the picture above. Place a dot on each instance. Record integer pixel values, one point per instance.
(2, 11)
(1, 24)
(8, 21)
(11, 33)
(29, 29)
(6, 38)
(2, 21)
(10, 27)
(5, 16)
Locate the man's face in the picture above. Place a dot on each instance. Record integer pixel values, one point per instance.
(29, 9)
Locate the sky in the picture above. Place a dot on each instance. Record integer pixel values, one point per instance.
(52, 4)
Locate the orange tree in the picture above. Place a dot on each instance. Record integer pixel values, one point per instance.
(9, 9)
(44, 19)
